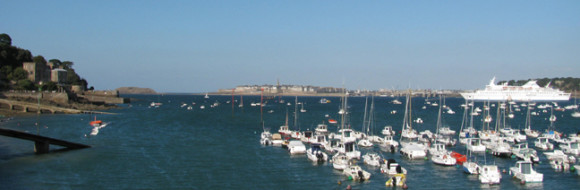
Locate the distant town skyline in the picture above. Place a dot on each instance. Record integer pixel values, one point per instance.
(204, 46)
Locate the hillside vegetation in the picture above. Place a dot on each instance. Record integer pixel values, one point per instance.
(568, 84)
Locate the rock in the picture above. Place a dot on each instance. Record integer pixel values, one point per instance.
(135, 90)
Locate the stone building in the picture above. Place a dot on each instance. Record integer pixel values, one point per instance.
(37, 72)
(58, 76)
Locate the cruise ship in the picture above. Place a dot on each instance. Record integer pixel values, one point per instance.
(528, 92)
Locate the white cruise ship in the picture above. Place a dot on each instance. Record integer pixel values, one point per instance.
(528, 92)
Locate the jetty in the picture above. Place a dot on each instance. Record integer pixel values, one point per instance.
(42, 143)
(40, 108)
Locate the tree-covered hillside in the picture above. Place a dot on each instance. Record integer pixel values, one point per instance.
(568, 84)
(13, 76)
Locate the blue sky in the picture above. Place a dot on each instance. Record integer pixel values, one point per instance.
(200, 46)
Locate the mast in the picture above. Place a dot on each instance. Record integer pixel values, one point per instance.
(498, 117)
(365, 114)
(528, 118)
(371, 124)
(296, 113)
(261, 106)
(439, 117)
(464, 122)
(471, 120)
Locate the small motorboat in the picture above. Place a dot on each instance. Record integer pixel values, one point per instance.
(372, 159)
(277, 139)
(356, 173)
(443, 159)
(446, 131)
(388, 131)
(296, 147)
(543, 143)
(398, 180)
(391, 167)
(321, 129)
(524, 171)
(413, 150)
(365, 143)
(316, 154)
(459, 158)
(489, 174)
(471, 167)
(340, 161)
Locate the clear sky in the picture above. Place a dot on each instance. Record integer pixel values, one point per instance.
(200, 46)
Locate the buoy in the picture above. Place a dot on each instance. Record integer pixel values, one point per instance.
(523, 182)
(405, 186)
(339, 182)
(349, 177)
(426, 158)
(513, 156)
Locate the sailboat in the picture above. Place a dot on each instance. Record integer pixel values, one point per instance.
(302, 108)
(529, 132)
(467, 131)
(365, 142)
(439, 154)
(411, 149)
(96, 124)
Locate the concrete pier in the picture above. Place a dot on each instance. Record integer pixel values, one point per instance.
(41, 143)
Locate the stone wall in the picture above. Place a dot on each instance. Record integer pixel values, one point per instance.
(56, 97)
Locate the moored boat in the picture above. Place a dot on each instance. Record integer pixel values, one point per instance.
(524, 171)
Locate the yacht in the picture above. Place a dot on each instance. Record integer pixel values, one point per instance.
(528, 92)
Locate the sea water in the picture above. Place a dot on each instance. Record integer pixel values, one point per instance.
(171, 147)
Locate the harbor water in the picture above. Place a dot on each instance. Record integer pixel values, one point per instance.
(172, 147)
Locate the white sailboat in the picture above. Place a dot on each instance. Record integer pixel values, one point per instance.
(411, 149)
(439, 154)
(367, 121)
(528, 130)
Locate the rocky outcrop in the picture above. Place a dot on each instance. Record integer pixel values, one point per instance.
(135, 90)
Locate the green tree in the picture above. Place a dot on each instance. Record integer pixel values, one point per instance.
(25, 84)
(39, 59)
(56, 63)
(67, 64)
(18, 74)
(49, 86)
(5, 40)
